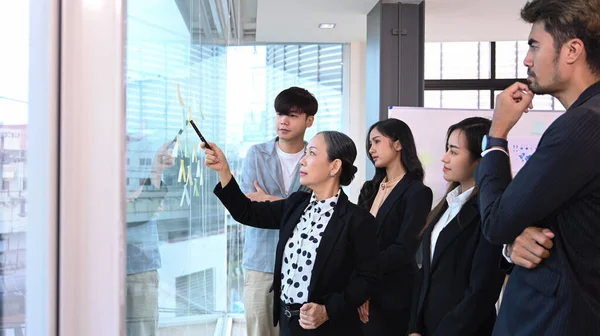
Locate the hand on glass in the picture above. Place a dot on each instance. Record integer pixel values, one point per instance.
(363, 312)
(260, 195)
(510, 106)
(531, 247)
(312, 315)
(162, 161)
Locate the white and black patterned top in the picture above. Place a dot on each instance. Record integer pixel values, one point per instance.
(301, 249)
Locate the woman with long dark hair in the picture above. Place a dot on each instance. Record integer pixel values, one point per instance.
(400, 202)
(460, 278)
(326, 264)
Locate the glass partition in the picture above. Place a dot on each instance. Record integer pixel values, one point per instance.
(14, 88)
(184, 274)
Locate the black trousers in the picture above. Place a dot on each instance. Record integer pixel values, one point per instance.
(386, 322)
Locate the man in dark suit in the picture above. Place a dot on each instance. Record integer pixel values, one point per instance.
(559, 187)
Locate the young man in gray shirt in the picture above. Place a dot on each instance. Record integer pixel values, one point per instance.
(270, 173)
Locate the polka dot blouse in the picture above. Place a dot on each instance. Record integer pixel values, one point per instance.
(301, 249)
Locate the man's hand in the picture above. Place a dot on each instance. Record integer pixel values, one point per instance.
(531, 247)
(510, 106)
(312, 315)
(415, 334)
(260, 195)
(363, 312)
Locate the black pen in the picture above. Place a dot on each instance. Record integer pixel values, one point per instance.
(200, 134)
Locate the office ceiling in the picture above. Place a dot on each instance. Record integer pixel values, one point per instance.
(446, 20)
(480, 20)
(297, 21)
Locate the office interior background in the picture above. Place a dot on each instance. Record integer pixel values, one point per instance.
(220, 62)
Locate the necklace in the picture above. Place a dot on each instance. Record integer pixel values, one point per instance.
(385, 183)
(386, 186)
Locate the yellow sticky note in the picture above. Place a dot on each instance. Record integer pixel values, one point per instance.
(189, 175)
(182, 176)
(179, 95)
(195, 153)
(425, 158)
(538, 128)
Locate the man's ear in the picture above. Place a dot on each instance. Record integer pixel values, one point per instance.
(575, 49)
(310, 120)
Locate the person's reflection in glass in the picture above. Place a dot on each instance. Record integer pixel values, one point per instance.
(143, 255)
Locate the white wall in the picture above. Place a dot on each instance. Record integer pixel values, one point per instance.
(356, 101)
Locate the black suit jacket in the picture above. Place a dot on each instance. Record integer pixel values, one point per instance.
(460, 286)
(346, 270)
(558, 188)
(399, 220)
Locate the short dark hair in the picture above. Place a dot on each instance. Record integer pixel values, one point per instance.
(396, 130)
(340, 146)
(568, 19)
(296, 99)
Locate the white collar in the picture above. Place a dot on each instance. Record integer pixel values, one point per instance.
(456, 198)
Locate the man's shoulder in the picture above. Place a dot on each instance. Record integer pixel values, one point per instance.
(578, 119)
(263, 147)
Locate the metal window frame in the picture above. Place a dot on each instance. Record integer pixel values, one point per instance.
(41, 281)
(488, 84)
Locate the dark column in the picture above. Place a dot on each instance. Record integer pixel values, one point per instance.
(395, 58)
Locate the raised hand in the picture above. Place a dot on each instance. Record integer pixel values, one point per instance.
(510, 106)
(216, 160)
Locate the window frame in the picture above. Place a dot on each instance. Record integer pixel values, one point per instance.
(491, 85)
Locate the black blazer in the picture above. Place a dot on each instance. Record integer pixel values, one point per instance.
(399, 220)
(346, 270)
(558, 188)
(460, 286)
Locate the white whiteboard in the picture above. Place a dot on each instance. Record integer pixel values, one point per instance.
(429, 127)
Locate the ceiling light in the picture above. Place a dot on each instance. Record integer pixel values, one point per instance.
(327, 25)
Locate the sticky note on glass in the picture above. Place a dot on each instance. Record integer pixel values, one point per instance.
(538, 127)
(179, 97)
(425, 158)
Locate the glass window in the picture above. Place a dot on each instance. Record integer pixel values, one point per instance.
(464, 99)
(509, 59)
(14, 67)
(457, 60)
(433, 61)
(184, 252)
(433, 99)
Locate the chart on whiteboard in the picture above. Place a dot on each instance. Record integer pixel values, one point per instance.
(521, 149)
